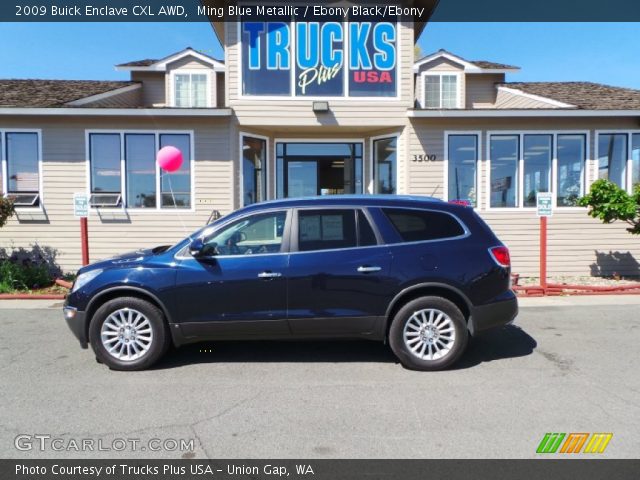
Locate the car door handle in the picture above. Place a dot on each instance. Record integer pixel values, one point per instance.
(369, 269)
(269, 275)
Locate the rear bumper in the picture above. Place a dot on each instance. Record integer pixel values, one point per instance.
(76, 320)
(500, 312)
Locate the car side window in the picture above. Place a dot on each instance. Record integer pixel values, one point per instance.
(256, 234)
(420, 225)
(366, 236)
(326, 229)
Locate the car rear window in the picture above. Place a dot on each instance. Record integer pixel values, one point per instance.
(420, 225)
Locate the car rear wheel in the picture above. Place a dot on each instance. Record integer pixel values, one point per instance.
(128, 333)
(428, 333)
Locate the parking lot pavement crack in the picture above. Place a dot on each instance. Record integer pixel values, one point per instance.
(226, 410)
(189, 425)
(200, 442)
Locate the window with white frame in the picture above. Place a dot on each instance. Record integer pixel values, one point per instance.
(441, 90)
(635, 159)
(254, 162)
(20, 170)
(619, 158)
(123, 170)
(385, 159)
(523, 164)
(190, 90)
(571, 157)
(462, 161)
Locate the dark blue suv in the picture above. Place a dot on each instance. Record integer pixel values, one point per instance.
(417, 272)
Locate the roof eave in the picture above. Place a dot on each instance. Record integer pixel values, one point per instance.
(521, 113)
(110, 112)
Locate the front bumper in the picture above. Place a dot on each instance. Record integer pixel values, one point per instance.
(501, 311)
(76, 320)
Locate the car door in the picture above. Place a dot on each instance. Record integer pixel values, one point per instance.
(240, 289)
(338, 273)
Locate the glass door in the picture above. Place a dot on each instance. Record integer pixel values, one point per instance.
(310, 169)
(302, 176)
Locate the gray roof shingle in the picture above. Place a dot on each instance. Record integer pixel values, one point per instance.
(583, 95)
(52, 93)
(492, 65)
(139, 63)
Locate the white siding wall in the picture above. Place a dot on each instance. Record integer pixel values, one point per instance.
(64, 172)
(153, 88)
(131, 98)
(511, 100)
(481, 89)
(577, 243)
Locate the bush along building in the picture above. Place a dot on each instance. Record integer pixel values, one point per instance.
(282, 116)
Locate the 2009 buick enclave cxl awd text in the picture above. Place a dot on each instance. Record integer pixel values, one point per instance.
(417, 272)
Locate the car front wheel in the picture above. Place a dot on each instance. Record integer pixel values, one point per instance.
(128, 333)
(428, 333)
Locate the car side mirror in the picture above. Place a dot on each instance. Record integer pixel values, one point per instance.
(199, 249)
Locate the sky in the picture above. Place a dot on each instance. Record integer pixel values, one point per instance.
(597, 52)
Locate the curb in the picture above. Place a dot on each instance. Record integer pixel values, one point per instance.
(26, 296)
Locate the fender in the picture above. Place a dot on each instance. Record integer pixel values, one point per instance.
(127, 288)
(427, 285)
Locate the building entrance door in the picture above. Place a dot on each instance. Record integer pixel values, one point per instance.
(310, 169)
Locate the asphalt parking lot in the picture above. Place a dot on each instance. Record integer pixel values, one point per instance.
(567, 365)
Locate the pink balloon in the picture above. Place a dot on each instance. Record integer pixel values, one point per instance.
(169, 158)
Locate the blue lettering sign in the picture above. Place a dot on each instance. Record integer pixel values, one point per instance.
(254, 29)
(384, 37)
(358, 53)
(278, 41)
(320, 62)
(331, 33)
(307, 52)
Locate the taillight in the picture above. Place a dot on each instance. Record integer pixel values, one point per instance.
(501, 256)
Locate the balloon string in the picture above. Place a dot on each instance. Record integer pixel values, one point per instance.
(175, 204)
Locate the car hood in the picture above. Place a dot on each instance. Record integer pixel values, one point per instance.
(124, 260)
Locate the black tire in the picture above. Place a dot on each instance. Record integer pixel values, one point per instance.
(412, 360)
(160, 338)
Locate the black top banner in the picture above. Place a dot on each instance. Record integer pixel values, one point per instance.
(222, 10)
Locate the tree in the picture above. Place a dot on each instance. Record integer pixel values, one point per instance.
(6, 210)
(610, 203)
(417, 53)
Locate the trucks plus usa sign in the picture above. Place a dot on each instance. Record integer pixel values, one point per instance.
(330, 59)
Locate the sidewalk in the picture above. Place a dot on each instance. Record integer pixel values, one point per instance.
(574, 301)
(578, 300)
(30, 304)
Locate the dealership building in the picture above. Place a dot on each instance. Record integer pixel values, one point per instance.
(303, 109)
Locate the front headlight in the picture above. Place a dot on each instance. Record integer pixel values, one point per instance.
(85, 278)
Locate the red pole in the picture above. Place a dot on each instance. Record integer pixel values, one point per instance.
(543, 253)
(84, 237)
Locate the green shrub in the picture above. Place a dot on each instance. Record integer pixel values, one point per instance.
(610, 203)
(6, 210)
(22, 277)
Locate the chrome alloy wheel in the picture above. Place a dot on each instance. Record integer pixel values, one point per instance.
(429, 334)
(126, 334)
